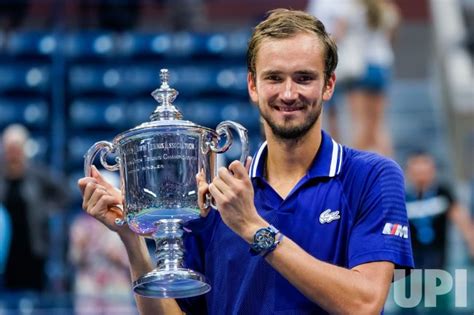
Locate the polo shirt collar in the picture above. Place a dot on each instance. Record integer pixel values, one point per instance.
(327, 162)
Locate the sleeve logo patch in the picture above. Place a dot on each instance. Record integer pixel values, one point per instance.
(396, 230)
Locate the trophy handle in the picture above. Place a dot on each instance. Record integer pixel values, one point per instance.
(104, 147)
(223, 130)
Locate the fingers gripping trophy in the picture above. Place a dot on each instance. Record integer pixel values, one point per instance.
(158, 162)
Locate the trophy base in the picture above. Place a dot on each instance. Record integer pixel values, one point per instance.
(177, 283)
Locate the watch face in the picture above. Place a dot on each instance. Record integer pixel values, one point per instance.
(265, 238)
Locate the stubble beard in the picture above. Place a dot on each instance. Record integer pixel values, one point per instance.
(287, 131)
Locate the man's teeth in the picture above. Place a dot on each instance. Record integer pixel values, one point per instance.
(288, 109)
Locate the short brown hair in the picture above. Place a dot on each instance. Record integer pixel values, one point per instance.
(283, 23)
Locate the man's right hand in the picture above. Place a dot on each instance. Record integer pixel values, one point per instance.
(102, 200)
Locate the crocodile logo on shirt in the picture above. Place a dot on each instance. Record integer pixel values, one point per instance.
(327, 216)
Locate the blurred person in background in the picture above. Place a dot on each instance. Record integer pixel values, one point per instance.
(363, 30)
(367, 95)
(101, 280)
(29, 193)
(345, 22)
(431, 205)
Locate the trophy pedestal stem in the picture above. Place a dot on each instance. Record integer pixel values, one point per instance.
(170, 279)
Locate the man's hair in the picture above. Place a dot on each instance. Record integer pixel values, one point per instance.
(15, 133)
(283, 23)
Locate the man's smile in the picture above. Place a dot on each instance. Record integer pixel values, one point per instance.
(287, 109)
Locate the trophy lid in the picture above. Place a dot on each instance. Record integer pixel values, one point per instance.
(165, 96)
(166, 116)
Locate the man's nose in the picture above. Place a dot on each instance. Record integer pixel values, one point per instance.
(289, 93)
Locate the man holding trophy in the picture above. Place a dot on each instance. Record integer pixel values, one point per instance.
(307, 227)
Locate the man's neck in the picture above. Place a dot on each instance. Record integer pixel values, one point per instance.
(15, 171)
(288, 161)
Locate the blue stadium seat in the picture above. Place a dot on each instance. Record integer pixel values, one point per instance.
(78, 144)
(193, 80)
(187, 44)
(189, 80)
(37, 148)
(184, 44)
(90, 45)
(139, 111)
(214, 44)
(97, 113)
(141, 79)
(234, 152)
(72, 179)
(32, 112)
(31, 43)
(25, 78)
(203, 112)
(237, 43)
(243, 113)
(232, 80)
(94, 79)
(145, 44)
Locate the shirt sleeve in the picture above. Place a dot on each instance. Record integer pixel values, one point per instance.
(381, 230)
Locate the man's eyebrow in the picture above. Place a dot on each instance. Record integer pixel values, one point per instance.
(307, 72)
(270, 72)
(299, 72)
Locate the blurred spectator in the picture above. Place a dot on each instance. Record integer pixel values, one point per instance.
(29, 193)
(367, 95)
(102, 280)
(345, 22)
(430, 205)
(363, 30)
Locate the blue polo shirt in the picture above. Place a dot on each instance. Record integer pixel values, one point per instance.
(348, 210)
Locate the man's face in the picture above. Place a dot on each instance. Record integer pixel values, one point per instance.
(421, 171)
(14, 152)
(289, 86)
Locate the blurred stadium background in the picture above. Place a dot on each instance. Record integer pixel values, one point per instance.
(75, 72)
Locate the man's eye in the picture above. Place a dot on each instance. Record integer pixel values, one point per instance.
(273, 78)
(304, 78)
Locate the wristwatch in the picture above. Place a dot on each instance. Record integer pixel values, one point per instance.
(265, 240)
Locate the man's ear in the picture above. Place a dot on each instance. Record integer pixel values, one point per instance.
(252, 87)
(329, 87)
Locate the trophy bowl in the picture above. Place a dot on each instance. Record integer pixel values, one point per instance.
(158, 162)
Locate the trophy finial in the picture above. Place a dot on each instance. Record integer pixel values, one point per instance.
(164, 77)
(165, 97)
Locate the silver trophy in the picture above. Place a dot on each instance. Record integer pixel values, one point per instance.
(158, 161)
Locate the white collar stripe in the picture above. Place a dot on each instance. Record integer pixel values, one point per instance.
(255, 162)
(332, 168)
(340, 159)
